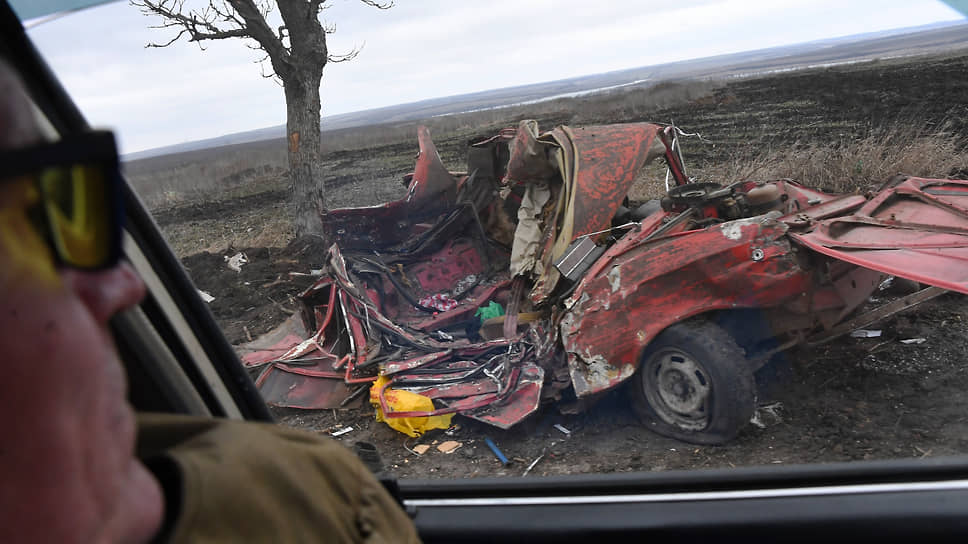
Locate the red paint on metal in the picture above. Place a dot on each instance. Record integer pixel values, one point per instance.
(831, 208)
(672, 158)
(500, 408)
(432, 191)
(293, 390)
(271, 353)
(433, 188)
(608, 159)
(640, 292)
(394, 367)
(916, 230)
(446, 268)
(522, 402)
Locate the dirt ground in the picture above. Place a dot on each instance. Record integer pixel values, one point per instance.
(851, 399)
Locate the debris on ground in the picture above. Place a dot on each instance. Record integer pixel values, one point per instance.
(767, 414)
(496, 451)
(341, 432)
(235, 262)
(449, 446)
(532, 465)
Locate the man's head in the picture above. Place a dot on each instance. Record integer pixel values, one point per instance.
(66, 462)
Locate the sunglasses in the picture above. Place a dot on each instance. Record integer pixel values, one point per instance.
(80, 208)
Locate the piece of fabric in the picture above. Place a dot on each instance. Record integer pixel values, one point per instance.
(493, 309)
(525, 258)
(232, 481)
(439, 301)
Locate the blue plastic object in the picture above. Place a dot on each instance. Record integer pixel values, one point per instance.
(497, 453)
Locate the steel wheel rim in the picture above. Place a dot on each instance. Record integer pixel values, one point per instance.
(678, 389)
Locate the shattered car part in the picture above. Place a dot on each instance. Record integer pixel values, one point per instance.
(590, 300)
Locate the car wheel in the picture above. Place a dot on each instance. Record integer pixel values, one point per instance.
(694, 384)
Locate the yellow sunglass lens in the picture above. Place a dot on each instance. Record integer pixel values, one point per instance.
(79, 213)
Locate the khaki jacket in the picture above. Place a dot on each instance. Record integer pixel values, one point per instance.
(232, 481)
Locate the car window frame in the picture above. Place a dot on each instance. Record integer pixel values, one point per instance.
(869, 500)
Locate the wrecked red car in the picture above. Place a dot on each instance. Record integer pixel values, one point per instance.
(683, 298)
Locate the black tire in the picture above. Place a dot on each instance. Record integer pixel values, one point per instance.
(694, 384)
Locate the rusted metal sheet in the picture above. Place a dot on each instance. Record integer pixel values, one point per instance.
(916, 230)
(529, 158)
(501, 388)
(296, 390)
(878, 314)
(301, 376)
(431, 192)
(271, 353)
(598, 165)
(635, 295)
(607, 161)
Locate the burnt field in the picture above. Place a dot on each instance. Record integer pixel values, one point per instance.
(851, 399)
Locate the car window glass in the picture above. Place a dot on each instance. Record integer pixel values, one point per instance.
(672, 259)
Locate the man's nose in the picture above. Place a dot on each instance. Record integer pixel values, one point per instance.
(106, 292)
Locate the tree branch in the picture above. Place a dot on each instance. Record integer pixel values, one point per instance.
(198, 26)
(220, 20)
(348, 56)
(169, 42)
(378, 5)
(259, 30)
(299, 41)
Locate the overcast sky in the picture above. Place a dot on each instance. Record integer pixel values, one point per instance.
(420, 49)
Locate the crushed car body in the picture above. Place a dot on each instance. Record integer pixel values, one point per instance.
(684, 298)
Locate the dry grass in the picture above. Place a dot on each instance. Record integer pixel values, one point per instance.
(836, 165)
(261, 226)
(852, 165)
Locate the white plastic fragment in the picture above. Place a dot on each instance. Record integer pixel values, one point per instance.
(562, 429)
(342, 431)
(866, 333)
(236, 261)
(205, 296)
(914, 341)
(533, 463)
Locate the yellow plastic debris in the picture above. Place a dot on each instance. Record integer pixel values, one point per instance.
(405, 401)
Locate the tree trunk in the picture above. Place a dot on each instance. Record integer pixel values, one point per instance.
(302, 129)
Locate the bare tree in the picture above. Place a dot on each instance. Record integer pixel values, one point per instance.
(297, 52)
